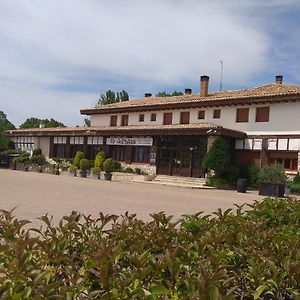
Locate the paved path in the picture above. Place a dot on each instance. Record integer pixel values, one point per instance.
(36, 194)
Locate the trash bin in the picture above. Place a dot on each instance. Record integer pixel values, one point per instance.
(241, 185)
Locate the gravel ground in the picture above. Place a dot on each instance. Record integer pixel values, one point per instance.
(35, 194)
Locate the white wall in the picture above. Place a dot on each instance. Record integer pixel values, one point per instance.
(284, 118)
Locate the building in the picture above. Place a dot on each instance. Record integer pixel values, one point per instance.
(170, 135)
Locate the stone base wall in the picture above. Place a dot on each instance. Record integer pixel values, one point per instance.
(146, 168)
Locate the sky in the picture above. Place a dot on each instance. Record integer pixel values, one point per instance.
(58, 56)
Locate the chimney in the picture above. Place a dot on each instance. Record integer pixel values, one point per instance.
(204, 85)
(148, 95)
(188, 91)
(279, 79)
(42, 125)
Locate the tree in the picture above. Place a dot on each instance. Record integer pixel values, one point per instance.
(35, 123)
(165, 94)
(5, 124)
(87, 122)
(111, 97)
(217, 158)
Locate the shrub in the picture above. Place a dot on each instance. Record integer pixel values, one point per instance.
(138, 170)
(220, 183)
(38, 159)
(37, 151)
(117, 166)
(128, 170)
(217, 158)
(272, 174)
(296, 178)
(24, 157)
(108, 165)
(72, 169)
(250, 253)
(78, 157)
(84, 164)
(96, 170)
(100, 159)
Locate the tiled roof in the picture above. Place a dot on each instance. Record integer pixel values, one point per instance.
(263, 93)
(200, 128)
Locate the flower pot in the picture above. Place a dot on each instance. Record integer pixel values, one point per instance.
(107, 176)
(241, 185)
(271, 189)
(83, 174)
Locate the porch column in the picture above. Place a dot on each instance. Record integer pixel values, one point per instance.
(264, 153)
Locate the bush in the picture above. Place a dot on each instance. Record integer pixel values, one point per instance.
(36, 152)
(96, 170)
(108, 165)
(138, 171)
(129, 170)
(38, 159)
(100, 159)
(220, 183)
(84, 164)
(78, 157)
(243, 253)
(72, 169)
(296, 178)
(117, 166)
(272, 174)
(217, 158)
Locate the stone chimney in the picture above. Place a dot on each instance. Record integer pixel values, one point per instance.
(148, 95)
(204, 85)
(278, 79)
(188, 91)
(42, 125)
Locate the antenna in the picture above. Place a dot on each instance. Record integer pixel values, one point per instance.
(221, 75)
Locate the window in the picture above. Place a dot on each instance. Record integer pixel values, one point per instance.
(217, 113)
(185, 117)
(124, 121)
(262, 114)
(141, 154)
(153, 117)
(242, 115)
(118, 153)
(201, 114)
(141, 117)
(167, 118)
(113, 120)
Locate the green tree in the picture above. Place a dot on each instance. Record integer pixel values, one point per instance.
(217, 158)
(111, 97)
(87, 122)
(165, 94)
(35, 123)
(5, 124)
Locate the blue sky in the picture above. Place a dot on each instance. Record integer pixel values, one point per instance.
(58, 56)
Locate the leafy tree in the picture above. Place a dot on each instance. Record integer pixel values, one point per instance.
(5, 124)
(35, 123)
(87, 122)
(111, 97)
(217, 158)
(165, 94)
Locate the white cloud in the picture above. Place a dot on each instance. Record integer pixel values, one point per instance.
(48, 45)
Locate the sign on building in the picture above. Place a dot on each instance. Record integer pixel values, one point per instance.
(147, 141)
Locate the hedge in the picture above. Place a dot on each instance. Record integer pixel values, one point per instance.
(248, 253)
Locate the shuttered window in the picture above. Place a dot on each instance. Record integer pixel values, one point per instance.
(242, 115)
(167, 118)
(217, 113)
(141, 117)
(153, 117)
(124, 121)
(113, 120)
(262, 114)
(185, 117)
(201, 114)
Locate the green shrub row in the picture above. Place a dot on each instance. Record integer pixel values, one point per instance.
(249, 253)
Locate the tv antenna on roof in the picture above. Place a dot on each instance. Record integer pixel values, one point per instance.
(221, 75)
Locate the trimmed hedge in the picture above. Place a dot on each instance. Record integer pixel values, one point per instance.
(229, 255)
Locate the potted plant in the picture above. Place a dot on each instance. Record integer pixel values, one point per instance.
(108, 167)
(72, 170)
(84, 166)
(100, 159)
(272, 181)
(95, 172)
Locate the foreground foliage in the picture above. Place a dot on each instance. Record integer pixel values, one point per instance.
(237, 254)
